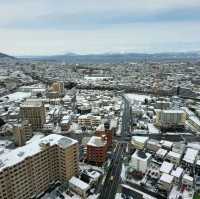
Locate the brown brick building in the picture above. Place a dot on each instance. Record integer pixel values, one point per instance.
(34, 112)
(97, 150)
(29, 170)
(108, 132)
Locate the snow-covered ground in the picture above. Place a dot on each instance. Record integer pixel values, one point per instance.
(17, 96)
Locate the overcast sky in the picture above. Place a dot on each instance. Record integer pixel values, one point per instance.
(45, 27)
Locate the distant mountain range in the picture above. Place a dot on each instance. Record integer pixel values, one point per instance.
(5, 56)
(117, 57)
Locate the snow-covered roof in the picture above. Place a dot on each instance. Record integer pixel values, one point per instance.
(18, 155)
(166, 178)
(187, 178)
(190, 155)
(177, 173)
(89, 117)
(140, 139)
(136, 156)
(188, 111)
(194, 145)
(166, 167)
(166, 143)
(100, 127)
(136, 97)
(161, 152)
(96, 141)
(18, 96)
(172, 111)
(79, 183)
(93, 174)
(31, 103)
(198, 162)
(174, 155)
(195, 120)
(152, 129)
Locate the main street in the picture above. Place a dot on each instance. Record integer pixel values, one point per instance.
(113, 179)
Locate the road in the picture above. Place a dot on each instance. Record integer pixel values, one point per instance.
(113, 178)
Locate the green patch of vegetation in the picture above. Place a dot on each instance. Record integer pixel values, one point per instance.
(196, 196)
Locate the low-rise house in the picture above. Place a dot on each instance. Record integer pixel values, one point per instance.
(139, 142)
(187, 181)
(177, 175)
(79, 186)
(153, 145)
(166, 167)
(161, 153)
(166, 182)
(190, 157)
(166, 144)
(173, 157)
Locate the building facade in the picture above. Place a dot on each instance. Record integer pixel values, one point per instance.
(97, 150)
(29, 170)
(22, 133)
(167, 119)
(34, 112)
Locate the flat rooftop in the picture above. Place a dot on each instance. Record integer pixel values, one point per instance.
(96, 141)
(190, 155)
(18, 155)
(31, 104)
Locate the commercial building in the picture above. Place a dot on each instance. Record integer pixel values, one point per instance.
(187, 181)
(173, 157)
(189, 157)
(34, 112)
(177, 173)
(197, 168)
(140, 161)
(166, 182)
(162, 105)
(65, 123)
(104, 129)
(58, 87)
(29, 170)
(167, 145)
(22, 133)
(97, 150)
(167, 119)
(89, 120)
(161, 153)
(153, 145)
(194, 122)
(139, 142)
